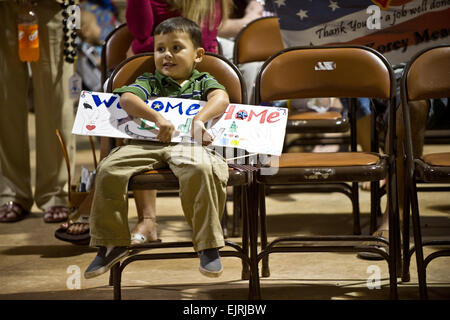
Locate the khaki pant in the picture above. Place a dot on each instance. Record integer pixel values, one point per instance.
(202, 176)
(53, 109)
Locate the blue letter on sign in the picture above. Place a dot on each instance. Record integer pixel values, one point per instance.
(192, 107)
(108, 103)
(180, 110)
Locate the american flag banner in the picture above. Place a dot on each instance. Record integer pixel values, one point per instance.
(396, 28)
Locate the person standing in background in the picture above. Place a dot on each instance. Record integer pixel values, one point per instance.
(144, 15)
(53, 110)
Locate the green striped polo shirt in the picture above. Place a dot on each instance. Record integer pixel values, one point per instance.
(150, 85)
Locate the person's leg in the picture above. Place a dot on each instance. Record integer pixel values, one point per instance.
(109, 213)
(418, 118)
(81, 225)
(54, 110)
(146, 228)
(15, 180)
(363, 132)
(77, 229)
(203, 178)
(364, 140)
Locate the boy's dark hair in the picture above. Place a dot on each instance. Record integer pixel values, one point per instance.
(181, 24)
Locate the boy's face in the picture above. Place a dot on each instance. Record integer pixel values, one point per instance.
(175, 55)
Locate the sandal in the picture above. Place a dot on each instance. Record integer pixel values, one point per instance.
(82, 238)
(56, 214)
(148, 236)
(12, 212)
(378, 244)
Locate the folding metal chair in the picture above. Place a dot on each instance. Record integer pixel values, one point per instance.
(258, 41)
(114, 51)
(427, 76)
(355, 71)
(229, 76)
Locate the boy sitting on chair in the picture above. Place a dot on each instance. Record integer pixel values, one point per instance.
(202, 174)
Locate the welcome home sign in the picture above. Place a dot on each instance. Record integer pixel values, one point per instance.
(256, 129)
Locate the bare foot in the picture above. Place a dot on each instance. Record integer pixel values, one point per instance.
(56, 214)
(145, 231)
(78, 228)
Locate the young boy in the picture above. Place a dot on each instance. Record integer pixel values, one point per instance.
(202, 174)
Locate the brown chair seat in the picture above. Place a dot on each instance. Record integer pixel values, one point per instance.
(433, 167)
(437, 159)
(316, 115)
(166, 180)
(326, 167)
(327, 159)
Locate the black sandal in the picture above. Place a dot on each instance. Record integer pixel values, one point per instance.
(77, 239)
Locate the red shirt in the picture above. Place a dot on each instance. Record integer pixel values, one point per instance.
(144, 15)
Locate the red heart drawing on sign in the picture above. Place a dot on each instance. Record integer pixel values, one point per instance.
(90, 127)
(384, 4)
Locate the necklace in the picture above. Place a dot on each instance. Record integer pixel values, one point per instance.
(70, 50)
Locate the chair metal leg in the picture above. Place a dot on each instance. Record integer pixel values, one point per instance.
(406, 277)
(252, 203)
(374, 205)
(393, 232)
(245, 232)
(355, 207)
(237, 214)
(262, 211)
(117, 279)
(421, 268)
(393, 276)
(224, 222)
(111, 278)
(398, 245)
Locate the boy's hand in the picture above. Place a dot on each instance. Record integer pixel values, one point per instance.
(199, 133)
(166, 130)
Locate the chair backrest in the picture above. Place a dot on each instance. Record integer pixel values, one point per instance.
(309, 72)
(257, 41)
(331, 71)
(220, 68)
(115, 49)
(426, 76)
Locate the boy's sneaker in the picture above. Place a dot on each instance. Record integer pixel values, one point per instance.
(210, 265)
(102, 262)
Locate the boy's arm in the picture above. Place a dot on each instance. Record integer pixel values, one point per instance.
(216, 105)
(135, 107)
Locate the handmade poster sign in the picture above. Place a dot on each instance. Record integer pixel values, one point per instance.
(396, 28)
(257, 129)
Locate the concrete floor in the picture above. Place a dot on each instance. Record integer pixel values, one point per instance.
(35, 265)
